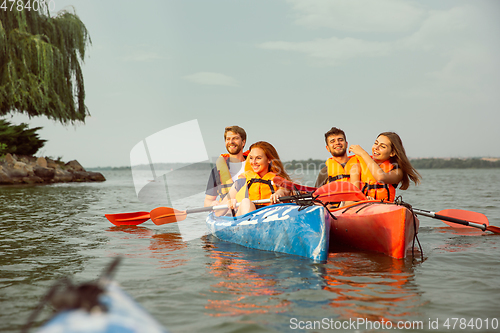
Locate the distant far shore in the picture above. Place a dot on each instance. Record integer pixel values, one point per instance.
(310, 164)
(418, 163)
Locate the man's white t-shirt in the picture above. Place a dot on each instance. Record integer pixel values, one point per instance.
(236, 169)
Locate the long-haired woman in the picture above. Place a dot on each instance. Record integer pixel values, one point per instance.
(257, 182)
(379, 175)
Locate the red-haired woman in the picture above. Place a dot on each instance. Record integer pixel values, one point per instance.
(380, 174)
(256, 183)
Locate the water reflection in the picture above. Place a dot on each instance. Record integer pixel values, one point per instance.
(470, 231)
(132, 231)
(371, 286)
(164, 247)
(352, 285)
(252, 281)
(460, 240)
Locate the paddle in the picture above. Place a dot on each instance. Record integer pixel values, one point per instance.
(456, 218)
(332, 192)
(480, 220)
(164, 215)
(135, 218)
(463, 215)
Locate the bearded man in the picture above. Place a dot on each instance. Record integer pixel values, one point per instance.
(228, 166)
(338, 166)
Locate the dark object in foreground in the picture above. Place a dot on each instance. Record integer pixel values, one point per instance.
(98, 306)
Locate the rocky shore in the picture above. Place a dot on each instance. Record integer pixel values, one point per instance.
(16, 170)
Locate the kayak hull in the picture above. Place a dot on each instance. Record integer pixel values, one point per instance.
(284, 228)
(309, 231)
(378, 227)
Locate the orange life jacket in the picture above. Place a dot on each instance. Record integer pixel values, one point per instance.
(374, 189)
(256, 188)
(336, 172)
(225, 181)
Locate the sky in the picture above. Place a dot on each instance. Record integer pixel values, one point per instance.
(286, 71)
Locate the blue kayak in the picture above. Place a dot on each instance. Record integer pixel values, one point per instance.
(123, 315)
(285, 228)
(99, 306)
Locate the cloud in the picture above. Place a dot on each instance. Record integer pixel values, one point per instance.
(443, 29)
(470, 65)
(443, 54)
(444, 34)
(358, 15)
(210, 78)
(467, 65)
(334, 50)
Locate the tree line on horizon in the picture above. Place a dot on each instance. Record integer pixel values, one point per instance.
(316, 165)
(418, 163)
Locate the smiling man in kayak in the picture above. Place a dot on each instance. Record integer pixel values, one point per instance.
(339, 165)
(228, 166)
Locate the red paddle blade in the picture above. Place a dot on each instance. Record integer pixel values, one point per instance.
(164, 215)
(494, 229)
(339, 191)
(135, 218)
(464, 215)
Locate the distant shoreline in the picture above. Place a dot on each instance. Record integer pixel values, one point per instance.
(418, 163)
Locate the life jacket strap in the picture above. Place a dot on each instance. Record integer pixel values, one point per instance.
(367, 187)
(258, 180)
(337, 177)
(222, 187)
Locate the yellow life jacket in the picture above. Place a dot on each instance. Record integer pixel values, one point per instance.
(336, 172)
(225, 181)
(256, 188)
(374, 189)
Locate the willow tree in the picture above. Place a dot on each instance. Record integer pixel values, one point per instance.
(40, 72)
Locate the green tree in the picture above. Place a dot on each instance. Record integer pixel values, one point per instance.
(19, 139)
(40, 73)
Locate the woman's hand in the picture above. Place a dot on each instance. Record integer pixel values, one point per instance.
(231, 204)
(357, 150)
(275, 197)
(278, 194)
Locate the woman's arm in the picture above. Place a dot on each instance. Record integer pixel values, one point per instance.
(355, 175)
(392, 177)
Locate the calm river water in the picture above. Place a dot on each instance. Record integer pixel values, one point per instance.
(199, 284)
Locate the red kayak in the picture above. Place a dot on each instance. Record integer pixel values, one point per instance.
(375, 226)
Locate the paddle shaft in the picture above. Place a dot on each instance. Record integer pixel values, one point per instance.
(261, 201)
(210, 208)
(450, 219)
(483, 227)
